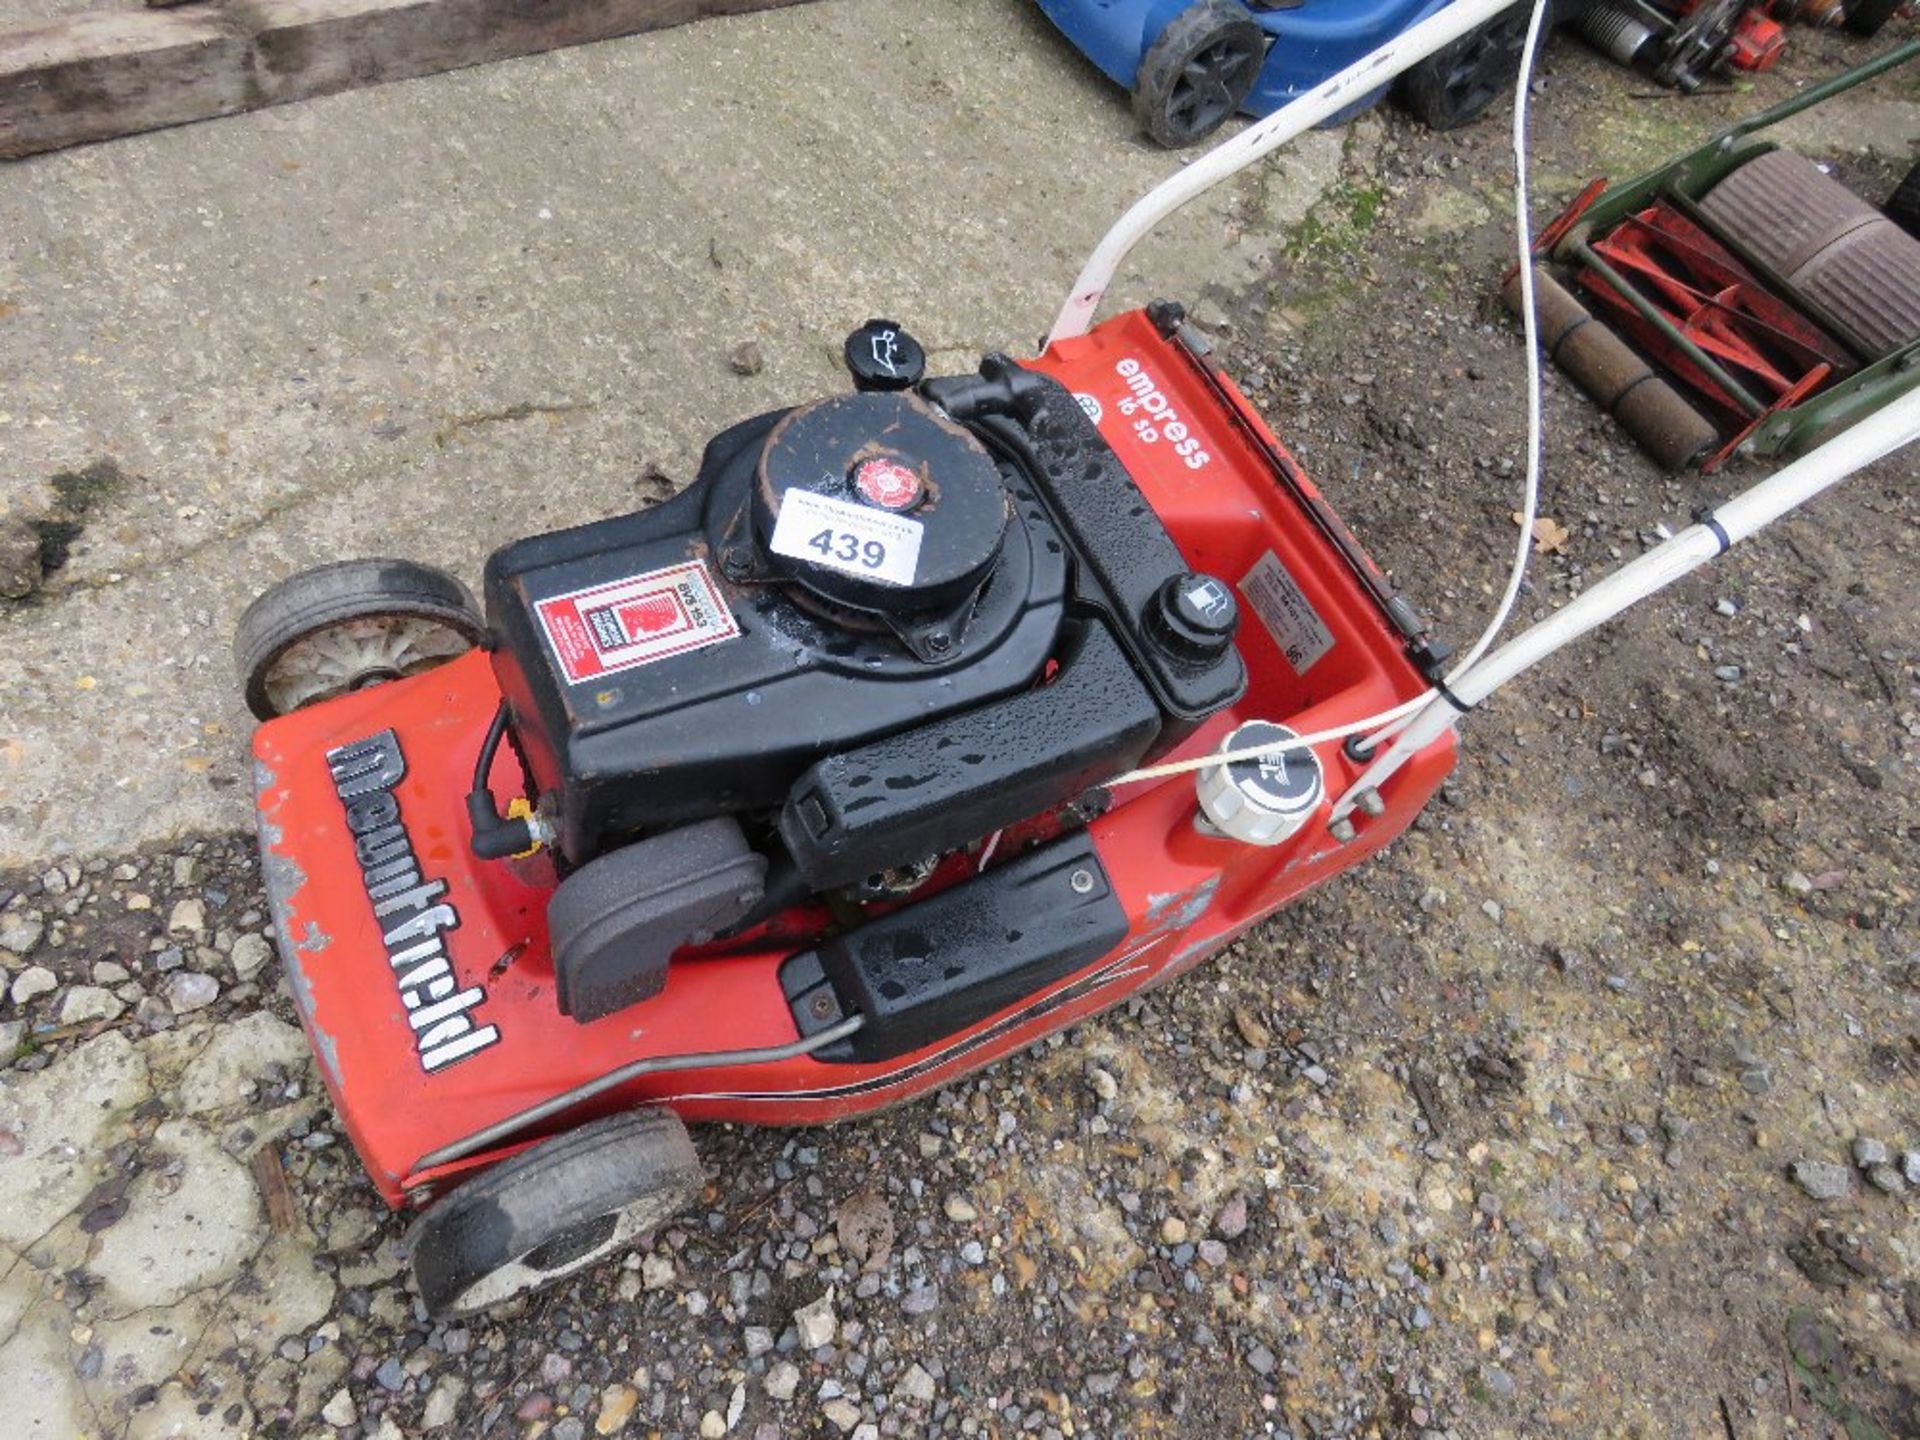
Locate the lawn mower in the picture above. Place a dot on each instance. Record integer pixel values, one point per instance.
(1193, 64)
(814, 755)
(932, 717)
(1682, 43)
(1775, 302)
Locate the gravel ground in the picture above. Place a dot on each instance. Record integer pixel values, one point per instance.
(1590, 1109)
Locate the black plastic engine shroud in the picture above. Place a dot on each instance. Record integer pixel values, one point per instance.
(1055, 672)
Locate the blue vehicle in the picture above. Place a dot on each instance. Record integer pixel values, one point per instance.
(1193, 63)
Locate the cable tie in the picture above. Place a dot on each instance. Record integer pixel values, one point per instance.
(1703, 515)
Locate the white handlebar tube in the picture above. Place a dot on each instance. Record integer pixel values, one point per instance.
(1878, 435)
(1358, 80)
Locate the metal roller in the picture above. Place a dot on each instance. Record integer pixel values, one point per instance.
(1838, 255)
(1614, 377)
(1616, 33)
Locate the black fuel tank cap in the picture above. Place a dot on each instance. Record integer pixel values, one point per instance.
(1194, 616)
(882, 356)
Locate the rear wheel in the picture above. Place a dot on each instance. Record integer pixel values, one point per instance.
(1866, 17)
(1198, 73)
(344, 627)
(553, 1210)
(1453, 85)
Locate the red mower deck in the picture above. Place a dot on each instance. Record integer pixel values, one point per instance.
(436, 1017)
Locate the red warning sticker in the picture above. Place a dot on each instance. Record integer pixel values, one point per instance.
(636, 621)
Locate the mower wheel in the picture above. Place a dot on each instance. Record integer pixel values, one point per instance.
(1199, 72)
(1453, 85)
(554, 1209)
(343, 627)
(1903, 206)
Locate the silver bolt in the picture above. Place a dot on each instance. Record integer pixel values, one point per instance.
(1342, 830)
(1369, 801)
(1082, 882)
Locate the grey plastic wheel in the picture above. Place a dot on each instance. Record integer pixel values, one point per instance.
(1198, 72)
(553, 1210)
(343, 627)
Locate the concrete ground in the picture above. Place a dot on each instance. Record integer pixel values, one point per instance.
(34, 12)
(426, 318)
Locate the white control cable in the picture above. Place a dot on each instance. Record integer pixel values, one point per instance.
(1880, 434)
(1379, 727)
(1529, 512)
(1530, 326)
(1419, 722)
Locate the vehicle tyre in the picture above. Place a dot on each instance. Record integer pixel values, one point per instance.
(1865, 17)
(553, 1210)
(343, 627)
(1903, 206)
(1453, 85)
(1198, 73)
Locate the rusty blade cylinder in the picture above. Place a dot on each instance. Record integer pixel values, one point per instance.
(1614, 377)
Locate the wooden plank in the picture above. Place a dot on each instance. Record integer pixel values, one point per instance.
(316, 47)
(94, 76)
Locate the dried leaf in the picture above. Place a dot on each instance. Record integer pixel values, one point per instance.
(1250, 1028)
(1549, 535)
(105, 1204)
(1024, 1269)
(864, 1226)
(108, 1212)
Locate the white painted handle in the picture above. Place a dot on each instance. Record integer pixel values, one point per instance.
(1358, 80)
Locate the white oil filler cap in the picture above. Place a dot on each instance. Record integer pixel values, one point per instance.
(1264, 801)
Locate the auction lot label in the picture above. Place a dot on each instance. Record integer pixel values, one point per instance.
(855, 539)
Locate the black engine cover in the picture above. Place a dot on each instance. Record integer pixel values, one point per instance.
(669, 665)
(876, 627)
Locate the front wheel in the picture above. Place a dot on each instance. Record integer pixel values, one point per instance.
(344, 627)
(553, 1210)
(1453, 85)
(1198, 73)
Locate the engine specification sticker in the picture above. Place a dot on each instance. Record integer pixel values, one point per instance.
(852, 538)
(635, 621)
(1289, 616)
